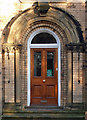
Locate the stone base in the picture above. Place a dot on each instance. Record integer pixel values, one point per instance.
(43, 113)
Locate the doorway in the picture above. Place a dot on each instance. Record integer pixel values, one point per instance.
(44, 76)
(36, 42)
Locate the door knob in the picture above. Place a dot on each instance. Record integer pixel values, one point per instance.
(43, 81)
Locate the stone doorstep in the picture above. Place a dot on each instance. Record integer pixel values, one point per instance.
(42, 112)
(46, 114)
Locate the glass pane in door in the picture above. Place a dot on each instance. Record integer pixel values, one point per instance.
(37, 63)
(50, 64)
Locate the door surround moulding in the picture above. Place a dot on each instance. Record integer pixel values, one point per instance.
(29, 45)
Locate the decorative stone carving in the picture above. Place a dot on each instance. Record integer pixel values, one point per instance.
(71, 5)
(77, 47)
(41, 7)
(11, 47)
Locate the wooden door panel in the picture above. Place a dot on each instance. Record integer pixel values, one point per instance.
(37, 91)
(50, 91)
(44, 85)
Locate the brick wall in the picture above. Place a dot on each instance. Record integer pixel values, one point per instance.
(9, 77)
(77, 77)
(77, 9)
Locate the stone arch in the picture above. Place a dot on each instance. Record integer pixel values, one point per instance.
(15, 28)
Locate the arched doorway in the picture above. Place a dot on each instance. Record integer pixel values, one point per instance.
(38, 45)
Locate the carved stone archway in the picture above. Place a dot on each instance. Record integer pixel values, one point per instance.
(17, 33)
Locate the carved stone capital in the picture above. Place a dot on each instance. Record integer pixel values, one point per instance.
(11, 47)
(77, 47)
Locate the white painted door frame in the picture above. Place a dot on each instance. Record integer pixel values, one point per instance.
(57, 45)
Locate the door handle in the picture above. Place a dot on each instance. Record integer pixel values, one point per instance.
(43, 81)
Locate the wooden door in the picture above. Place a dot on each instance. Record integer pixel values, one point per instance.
(44, 76)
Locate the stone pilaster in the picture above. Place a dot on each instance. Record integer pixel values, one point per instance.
(0, 81)
(77, 79)
(86, 81)
(18, 80)
(70, 74)
(12, 85)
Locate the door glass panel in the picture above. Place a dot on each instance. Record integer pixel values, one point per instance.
(43, 38)
(50, 64)
(37, 63)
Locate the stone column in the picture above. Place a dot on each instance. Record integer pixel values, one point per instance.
(86, 57)
(85, 81)
(70, 74)
(0, 81)
(18, 80)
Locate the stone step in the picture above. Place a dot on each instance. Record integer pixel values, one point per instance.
(44, 114)
(14, 112)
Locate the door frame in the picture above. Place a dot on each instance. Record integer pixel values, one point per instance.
(29, 46)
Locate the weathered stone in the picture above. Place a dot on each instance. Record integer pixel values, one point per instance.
(68, 21)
